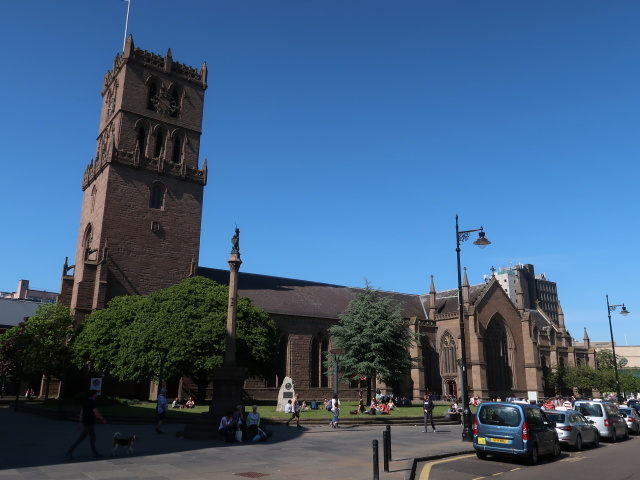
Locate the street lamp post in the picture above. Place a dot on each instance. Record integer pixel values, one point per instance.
(624, 311)
(336, 351)
(462, 236)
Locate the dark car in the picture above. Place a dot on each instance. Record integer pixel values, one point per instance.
(514, 429)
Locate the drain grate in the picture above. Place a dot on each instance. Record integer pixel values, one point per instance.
(252, 474)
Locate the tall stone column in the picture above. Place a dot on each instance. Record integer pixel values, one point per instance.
(228, 379)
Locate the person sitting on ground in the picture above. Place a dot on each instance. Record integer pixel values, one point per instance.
(390, 404)
(253, 424)
(327, 403)
(304, 405)
(227, 428)
(190, 403)
(238, 418)
(383, 409)
(288, 408)
(175, 404)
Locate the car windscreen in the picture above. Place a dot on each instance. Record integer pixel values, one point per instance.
(556, 417)
(503, 415)
(590, 409)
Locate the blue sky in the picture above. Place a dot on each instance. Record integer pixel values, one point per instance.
(344, 136)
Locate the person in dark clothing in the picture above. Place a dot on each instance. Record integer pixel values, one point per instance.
(88, 416)
(428, 413)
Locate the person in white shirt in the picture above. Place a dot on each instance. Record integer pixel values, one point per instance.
(335, 409)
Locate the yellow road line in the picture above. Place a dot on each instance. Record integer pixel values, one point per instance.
(424, 475)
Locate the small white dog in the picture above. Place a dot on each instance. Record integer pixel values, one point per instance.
(120, 441)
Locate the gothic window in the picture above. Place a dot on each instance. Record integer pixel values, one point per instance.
(159, 144)
(175, 95)
(176, 157)
(158, 191)
(448, 356)
(153, 91)
(496, 349)
(319, 349)
(94, 192)
(141, 141)
(86, 243)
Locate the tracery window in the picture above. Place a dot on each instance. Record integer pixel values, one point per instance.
(496, 348)
(448, 356)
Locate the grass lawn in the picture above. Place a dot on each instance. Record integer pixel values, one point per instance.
(110, 406)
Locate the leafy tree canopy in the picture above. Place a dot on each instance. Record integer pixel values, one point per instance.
(375, 338)
(189, 320)
(604, 360)
(40, 345)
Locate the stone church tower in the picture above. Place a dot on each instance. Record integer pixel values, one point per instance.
(142, 204)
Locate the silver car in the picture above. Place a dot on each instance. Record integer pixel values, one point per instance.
(573, 429)
(633, 419)
(610, 422)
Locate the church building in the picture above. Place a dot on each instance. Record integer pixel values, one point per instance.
(140, 232)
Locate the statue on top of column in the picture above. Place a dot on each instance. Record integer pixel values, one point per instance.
(235, 241)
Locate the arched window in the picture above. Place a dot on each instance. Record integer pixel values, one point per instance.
(496, 350)
(153, 91)
(141, 141)
(175, 95)
(94, 192)
(158, 191)
(176, 156)
(448, 355)
(86, 243)
(159, 144)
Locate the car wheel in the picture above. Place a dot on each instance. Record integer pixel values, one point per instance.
(578, 444)
(614, 437)
(557, 449)
(626, 433)
(596, 441)
(481, 455)
(533, 456)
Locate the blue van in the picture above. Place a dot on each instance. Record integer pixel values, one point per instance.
(514, 429)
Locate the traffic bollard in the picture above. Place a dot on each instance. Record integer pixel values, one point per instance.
(376, 467)
(385, 451)
(389, 435)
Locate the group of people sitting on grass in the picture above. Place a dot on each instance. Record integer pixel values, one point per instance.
(235, 427)
(189, 403)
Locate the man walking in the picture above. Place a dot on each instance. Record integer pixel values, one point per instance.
(87, 421)
(428, 413)
(295, 411)
(163, 406)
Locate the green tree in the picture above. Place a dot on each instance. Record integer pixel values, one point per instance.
(40, 345)
(604, 360)
(375, 338)
(189, 320)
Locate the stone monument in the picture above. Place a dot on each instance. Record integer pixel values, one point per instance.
(228, 379)
(287, 391)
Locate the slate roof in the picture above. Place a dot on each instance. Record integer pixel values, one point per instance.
(447, 300)
(286, 296)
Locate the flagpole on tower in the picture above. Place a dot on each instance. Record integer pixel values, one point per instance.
(126, 24)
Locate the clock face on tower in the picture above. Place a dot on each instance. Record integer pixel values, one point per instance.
(164, 103)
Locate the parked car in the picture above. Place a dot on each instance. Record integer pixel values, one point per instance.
(574, 429)
(610, 422)
(514, 429)
(633, 419)
(632, 403)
